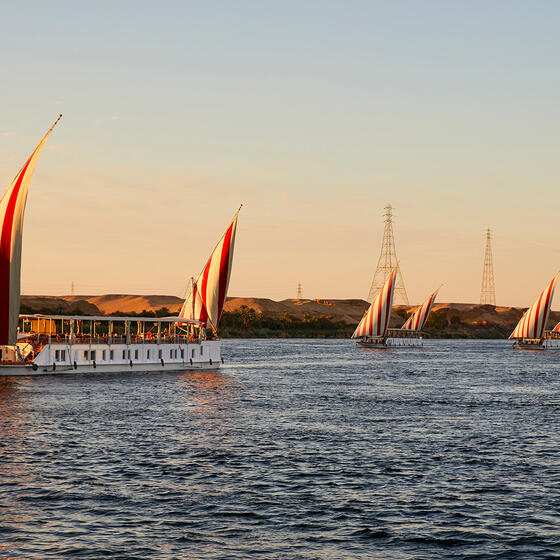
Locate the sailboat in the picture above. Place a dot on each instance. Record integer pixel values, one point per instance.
(57, 344)
(411, 331)
(207, 296)
(371, 331)
(530, 333)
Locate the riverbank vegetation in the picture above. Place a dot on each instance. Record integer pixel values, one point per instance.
(246, 322)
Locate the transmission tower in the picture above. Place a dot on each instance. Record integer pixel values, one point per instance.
(72, 290)
(299, 292)
(387, 262)
(488, 291)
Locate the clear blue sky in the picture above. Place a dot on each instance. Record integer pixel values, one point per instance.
(313, 114)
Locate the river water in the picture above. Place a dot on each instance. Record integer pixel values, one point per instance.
(306, 449)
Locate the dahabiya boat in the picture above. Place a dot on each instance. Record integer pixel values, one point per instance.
(48, 344)
(531, 333)
(373, 330)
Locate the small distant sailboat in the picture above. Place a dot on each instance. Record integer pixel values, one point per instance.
(530, 333)
(411, 331)
(373, 330)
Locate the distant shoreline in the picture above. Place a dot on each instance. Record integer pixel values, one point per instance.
(266, 318)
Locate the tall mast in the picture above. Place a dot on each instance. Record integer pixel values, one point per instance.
(193, 287)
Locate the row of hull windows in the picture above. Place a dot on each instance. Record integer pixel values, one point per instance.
(92, 355)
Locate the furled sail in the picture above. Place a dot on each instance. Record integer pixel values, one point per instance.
(207, 296)
(375, 322)
(533, 322)
(417, 321)
(12, 208)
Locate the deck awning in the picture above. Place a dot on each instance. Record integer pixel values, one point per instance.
(110, 318)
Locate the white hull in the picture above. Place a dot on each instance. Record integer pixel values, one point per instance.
(371, 344)
(543, 344)
(26, 370)
(61, 359)
(391, 342)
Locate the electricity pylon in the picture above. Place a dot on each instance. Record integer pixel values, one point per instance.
(387, 262)
(299, 292)
(488, 291)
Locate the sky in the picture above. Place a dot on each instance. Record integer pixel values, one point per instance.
(314, 115)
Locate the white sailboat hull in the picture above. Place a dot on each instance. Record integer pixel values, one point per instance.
(391, 342)
(542, 344)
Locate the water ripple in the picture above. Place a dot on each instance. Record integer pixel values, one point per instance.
(296, 449)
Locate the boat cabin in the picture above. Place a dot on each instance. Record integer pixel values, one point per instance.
(36, 331)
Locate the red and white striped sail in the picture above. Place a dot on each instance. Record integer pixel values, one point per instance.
(375, 322)
(210, 288)
(12, 208)
(533, 322)
(417, 321)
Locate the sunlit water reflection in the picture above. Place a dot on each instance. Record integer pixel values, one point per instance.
(294, 449)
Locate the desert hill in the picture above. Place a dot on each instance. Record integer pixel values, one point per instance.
(57, 305)
(351, 311)
(126, 303)
(347, 310)
(102, 305)
(453, 319)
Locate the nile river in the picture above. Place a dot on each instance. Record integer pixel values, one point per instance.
(295, 449)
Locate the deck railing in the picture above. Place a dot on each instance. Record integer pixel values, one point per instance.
(403, 333)
(113, 339)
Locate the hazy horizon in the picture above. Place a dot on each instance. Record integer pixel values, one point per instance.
(313, 116)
